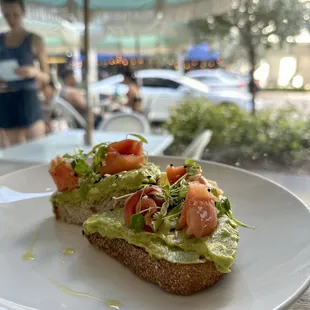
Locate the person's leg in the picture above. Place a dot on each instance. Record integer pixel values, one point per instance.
(16, 136)
(36, 130)
(4, 140)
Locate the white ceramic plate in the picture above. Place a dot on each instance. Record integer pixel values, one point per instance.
(271, 270)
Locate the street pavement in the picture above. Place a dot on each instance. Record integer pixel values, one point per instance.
(279, 99)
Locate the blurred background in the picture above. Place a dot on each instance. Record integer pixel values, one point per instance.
(240, 68)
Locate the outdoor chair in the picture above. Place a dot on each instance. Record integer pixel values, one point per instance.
(129, 122)
(70, 113)
(197, 146)
(154, 108)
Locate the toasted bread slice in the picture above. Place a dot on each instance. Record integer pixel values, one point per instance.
(181, 279)
(71, 208)
(78, 213)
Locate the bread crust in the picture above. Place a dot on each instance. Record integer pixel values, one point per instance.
(181, 279)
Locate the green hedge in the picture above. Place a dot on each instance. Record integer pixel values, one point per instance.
(281, 137)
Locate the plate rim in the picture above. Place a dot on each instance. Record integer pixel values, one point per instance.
(301, 290)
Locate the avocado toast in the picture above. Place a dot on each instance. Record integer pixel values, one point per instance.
(87, 182)
(179, 234)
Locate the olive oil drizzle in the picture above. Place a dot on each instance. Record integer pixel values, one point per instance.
(69, 251)
(29, 255)
(113, 304)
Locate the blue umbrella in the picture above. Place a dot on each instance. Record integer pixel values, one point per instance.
(201, 52)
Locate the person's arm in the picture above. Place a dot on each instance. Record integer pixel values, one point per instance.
(132, 94)
(48, 94)
(75, 98)
(40, 74)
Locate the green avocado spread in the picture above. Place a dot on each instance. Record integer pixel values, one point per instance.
(174, 246)
(112, 185)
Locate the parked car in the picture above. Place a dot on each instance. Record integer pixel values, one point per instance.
(163, 89)
(243, 77)
(218, 79)
(223, 79)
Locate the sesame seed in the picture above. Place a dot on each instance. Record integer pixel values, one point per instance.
(209, 190)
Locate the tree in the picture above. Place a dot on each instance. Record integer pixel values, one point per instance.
(256, 24)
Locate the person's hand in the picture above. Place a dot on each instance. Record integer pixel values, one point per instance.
(26, 71)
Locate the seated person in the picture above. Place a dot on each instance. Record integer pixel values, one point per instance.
(74, 96)
(52, 116)
(133, 94)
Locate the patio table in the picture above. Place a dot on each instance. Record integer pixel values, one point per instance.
(44, 150)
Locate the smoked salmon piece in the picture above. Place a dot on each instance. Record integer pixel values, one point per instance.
(174, 173)
(127, 147)
(199, 213)
(63, 175)
(147, 199)
(116, 162)
(123, 156)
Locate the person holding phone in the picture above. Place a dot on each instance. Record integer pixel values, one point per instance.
(21, 116)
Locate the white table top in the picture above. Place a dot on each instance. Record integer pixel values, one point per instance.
(44, 150)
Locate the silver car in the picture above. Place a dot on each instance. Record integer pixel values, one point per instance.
(163, 89)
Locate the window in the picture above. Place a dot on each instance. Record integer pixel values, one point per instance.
(159, 82)
(209, 80)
